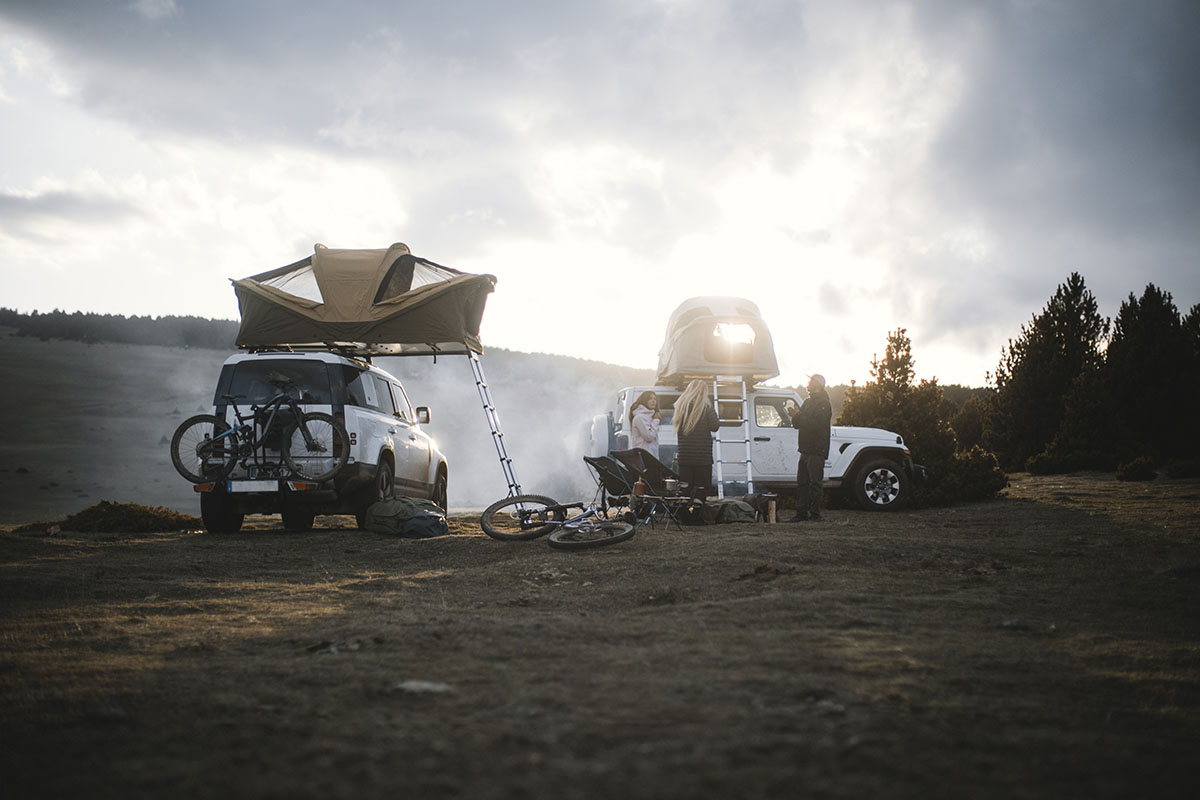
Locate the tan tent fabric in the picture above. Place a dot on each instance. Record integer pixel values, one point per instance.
(709, 336)
(375, 302)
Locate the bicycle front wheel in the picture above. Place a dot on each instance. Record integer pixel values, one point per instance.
(320, 455)
(523, 516)
(590, 533)
(203, 450)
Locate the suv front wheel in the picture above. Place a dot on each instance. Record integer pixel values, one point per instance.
(380, 489)
(881, 485)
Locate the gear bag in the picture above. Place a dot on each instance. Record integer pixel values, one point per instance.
(409, 517)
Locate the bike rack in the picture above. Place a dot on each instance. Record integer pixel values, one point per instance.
(489, 411)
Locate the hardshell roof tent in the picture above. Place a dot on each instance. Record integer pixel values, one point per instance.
(372, 302)
(384, 302)
(710, 336)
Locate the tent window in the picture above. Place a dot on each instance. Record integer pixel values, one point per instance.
(302, 283)
(407, 273)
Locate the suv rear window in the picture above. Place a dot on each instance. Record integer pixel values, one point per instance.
(259, 381)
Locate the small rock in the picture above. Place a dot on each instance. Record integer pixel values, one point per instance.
(1015, 624)
(422, 687)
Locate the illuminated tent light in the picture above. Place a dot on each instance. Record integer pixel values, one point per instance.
(734, 332)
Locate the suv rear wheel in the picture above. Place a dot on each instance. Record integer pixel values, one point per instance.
(439, 493)
(220, 513)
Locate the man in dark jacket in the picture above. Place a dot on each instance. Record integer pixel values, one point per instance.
(811, 422)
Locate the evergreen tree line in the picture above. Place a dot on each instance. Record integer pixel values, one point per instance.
(1079, 391)
(1074, 391)
(169, 331)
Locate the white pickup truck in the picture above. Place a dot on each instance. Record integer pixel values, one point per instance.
(872, 466)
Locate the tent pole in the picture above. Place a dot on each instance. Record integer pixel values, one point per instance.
(489, 411)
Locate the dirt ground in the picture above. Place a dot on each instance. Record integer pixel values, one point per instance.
(1045, 645)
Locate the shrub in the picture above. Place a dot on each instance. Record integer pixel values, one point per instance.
(1139, 469)
(969, 476)
(1183, 468)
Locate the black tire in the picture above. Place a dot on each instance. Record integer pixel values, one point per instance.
(329, 452)
(297, 519)
(220, 513)
(591, 533)
(198, 454)
(881, 485)
(440, 488)
(521, 517)
(381, 488)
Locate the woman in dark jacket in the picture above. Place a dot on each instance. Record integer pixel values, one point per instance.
(695, 423)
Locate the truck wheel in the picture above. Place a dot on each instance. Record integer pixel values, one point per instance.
(220, 513)
(881, 485)
(381, 489)
(297, 519)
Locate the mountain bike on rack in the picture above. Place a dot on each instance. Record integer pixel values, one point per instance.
(313, 446)
(529, 516)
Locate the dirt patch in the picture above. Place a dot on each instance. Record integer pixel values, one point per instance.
(1043, 645)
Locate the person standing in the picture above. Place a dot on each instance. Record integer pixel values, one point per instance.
(695, 423)
(811, 421)
(644, 419)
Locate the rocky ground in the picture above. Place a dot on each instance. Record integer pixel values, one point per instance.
(1043, 645)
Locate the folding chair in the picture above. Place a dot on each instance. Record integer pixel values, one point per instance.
(615, 482)
(655, 474)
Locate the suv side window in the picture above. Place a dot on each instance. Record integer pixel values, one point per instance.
(384, 403)
(363, 390)
(404, 408)
(769, 412)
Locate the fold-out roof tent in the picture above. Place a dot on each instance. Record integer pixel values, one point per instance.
(384, 302)
(710, 336)
(371, 302)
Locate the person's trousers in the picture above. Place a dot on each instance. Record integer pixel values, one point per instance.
(810, 472)
(699, 479)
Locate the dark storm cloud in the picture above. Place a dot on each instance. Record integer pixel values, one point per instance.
(1078, 137)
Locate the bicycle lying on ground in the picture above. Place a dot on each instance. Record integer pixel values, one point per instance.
(313, 446)
(529, 516)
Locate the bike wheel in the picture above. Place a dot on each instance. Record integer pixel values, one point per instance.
(325, 451)
(200, 453)
(590, 533)
(523, 516)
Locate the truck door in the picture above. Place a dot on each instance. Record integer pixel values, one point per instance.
(773, 440)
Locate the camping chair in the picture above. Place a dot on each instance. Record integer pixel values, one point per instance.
(655, 474)
(614, 480)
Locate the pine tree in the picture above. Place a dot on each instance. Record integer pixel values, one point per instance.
(1038, 369)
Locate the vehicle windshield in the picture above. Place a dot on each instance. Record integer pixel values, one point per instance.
(259, 381)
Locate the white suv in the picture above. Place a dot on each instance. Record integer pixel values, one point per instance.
(870, 466)
(389, 452)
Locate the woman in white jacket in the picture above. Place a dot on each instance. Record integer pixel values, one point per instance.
(644, 420)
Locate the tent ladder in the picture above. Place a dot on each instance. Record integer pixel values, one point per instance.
(729, 392)
(489, 410)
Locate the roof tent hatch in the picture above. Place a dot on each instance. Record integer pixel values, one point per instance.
(382, 302)
(710, 336)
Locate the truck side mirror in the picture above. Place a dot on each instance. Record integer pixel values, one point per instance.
(423, 415)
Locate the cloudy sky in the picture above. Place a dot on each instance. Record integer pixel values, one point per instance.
(852, 167)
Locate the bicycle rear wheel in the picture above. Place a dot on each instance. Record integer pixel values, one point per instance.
(199, 451)
(523, 516)
(325, 451)
(590, 533)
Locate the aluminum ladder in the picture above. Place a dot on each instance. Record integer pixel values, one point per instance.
(731, 390)
(489, 411)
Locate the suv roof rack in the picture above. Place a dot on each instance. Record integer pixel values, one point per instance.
(347, 349)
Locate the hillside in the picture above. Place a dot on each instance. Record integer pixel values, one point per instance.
(96, 421)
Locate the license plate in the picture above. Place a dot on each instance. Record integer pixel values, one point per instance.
(254, 486)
